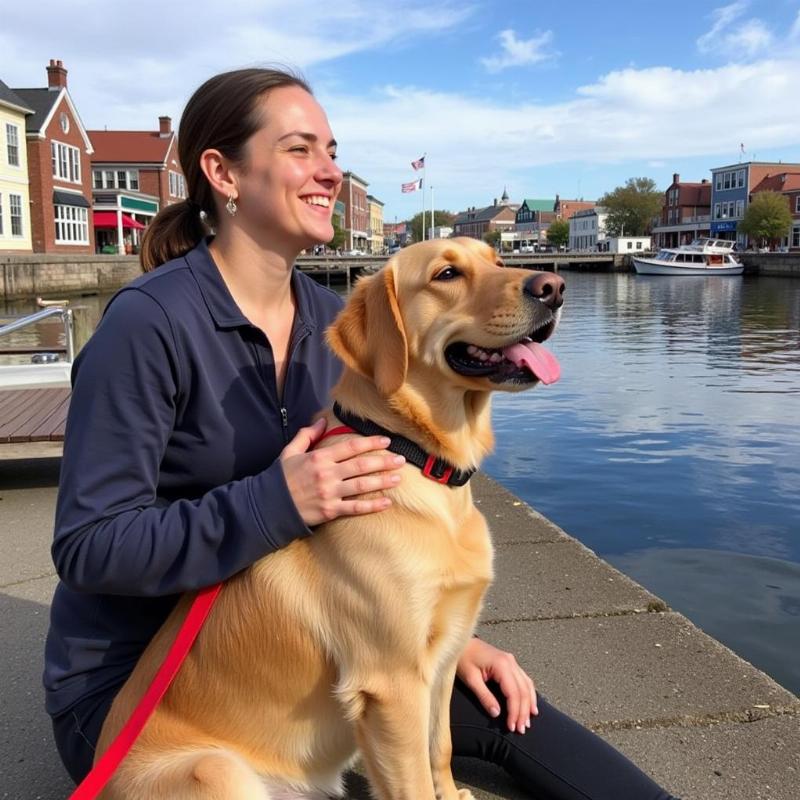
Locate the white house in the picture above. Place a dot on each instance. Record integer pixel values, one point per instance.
(587, 228)
(625, 244)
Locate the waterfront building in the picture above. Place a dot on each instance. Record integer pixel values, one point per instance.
(356, 211)
(58, 151)
(440, 232)
(685, 213)
(134, 174)
(15, 216)
(587, 229)
(375, 241)
(476, 222)
(624, 244)
(531, 222)
(730, 193)
(787, 184)
(566, 209)
(396, 234)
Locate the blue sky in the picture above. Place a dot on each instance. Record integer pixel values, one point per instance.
(542, 98)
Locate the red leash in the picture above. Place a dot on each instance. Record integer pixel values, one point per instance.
(102, 771)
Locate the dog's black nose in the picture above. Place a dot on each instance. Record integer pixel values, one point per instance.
(547, 287)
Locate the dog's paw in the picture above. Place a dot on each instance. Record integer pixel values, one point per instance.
(465, 794)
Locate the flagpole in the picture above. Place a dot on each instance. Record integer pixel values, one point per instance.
(424, 187)
(433, 217)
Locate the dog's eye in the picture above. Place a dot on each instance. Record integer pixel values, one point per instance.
(447, 274)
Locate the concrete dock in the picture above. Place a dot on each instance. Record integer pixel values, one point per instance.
(704, 723)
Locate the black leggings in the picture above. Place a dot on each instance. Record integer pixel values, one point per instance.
(556, 759)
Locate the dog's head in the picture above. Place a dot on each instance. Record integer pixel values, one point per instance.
(450, 310)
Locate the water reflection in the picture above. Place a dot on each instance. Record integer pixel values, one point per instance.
(674, 426)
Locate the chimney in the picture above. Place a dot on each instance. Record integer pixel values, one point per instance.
(56, 76)
(676, 178)
(164, 126)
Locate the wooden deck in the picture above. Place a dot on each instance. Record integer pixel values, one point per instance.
(32, 422)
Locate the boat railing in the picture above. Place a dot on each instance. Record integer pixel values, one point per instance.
(65, 314)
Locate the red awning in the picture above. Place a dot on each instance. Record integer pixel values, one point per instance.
(108, 219)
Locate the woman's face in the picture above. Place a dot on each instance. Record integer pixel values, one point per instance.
(289, 181)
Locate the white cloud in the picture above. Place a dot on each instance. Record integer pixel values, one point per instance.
(657, 115)
(519, 52)
(735, 41)
(794, 31)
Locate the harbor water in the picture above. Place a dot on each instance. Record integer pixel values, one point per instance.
(670, 446)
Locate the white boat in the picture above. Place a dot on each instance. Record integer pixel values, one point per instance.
(45, 369)
(701, 257)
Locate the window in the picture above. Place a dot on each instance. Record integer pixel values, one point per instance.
(630, 245)
(739, 209)
(795, 236)
(116, 179)
(177, 187)
(66, 162)
(726, 181)
(638, 245)
(797, 204)
(718, 181)
(740, 178)
(12, 144)
(15, 203)
(72, 225)
(717, 214)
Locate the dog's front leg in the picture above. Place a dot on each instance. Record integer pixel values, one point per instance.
(441, 740)
(392, 723)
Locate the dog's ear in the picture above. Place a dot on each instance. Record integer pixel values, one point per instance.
(368, 335)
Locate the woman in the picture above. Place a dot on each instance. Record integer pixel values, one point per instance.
(187, 447)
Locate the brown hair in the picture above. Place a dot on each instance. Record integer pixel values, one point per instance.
(222, 114)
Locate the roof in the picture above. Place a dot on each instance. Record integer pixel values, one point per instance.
(782, 182)
(539, 205)
(481, 214)
(8, 97)
(120, 147)
(41, 102)
(694, 194)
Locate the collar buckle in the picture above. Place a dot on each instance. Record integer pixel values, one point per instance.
(437, 470)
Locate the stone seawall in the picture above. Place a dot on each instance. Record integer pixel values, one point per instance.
(24, 276)
(785, 265)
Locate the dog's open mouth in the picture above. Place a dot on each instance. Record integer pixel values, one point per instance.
(522, 362)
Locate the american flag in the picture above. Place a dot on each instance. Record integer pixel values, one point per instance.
(411, 187)
(419, 163)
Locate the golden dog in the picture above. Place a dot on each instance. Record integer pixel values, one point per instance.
(347, 640)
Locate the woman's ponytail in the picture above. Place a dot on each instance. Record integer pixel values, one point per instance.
(174, 231)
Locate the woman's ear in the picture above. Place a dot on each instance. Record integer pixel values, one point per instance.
(220, 174)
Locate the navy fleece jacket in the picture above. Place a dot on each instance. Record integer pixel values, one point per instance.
(169, 479)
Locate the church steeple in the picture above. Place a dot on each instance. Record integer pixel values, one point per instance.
(504, 200)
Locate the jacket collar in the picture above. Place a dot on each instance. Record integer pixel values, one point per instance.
(223, 308)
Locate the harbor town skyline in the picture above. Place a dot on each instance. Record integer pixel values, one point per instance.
(539, 101)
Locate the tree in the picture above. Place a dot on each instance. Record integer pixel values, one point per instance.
(440, 218)
(558, 233)
(492, 238)
(339, 235)
(632, 207)
(767, 219)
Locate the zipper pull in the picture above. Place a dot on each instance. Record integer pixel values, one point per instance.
(285, 421)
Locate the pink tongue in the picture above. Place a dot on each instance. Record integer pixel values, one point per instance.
(538, 359)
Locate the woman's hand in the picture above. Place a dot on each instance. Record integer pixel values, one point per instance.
(479, 663)
(324, 483)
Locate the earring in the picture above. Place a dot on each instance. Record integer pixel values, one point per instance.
(231, 206)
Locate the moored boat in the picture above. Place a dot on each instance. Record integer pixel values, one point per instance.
(701, 257)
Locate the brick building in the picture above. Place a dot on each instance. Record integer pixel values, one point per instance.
(356, 212)
(476, 222)
(685, 213)
(134, 174)
(565, 209)
(59, 172)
